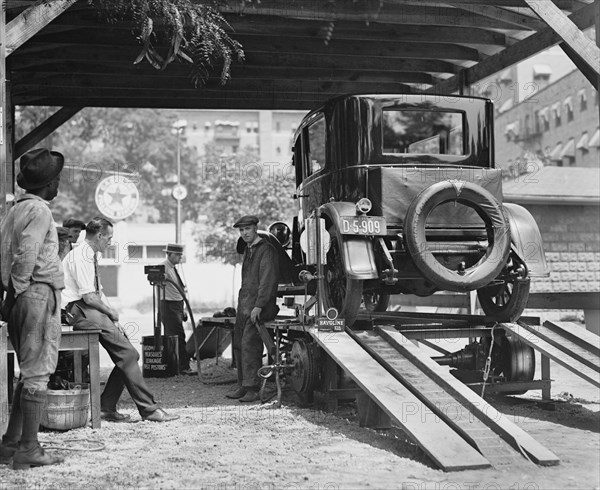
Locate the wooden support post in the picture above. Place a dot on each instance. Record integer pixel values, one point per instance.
(582, 50)
(43, 130)
(546, 389)
(33, 20)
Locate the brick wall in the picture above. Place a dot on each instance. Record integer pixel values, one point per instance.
(571, 237)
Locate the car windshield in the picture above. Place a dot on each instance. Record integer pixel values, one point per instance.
(419, 131)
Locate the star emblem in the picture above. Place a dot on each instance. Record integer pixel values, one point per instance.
(117, 196)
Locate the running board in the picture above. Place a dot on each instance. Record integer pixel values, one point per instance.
(579, 353)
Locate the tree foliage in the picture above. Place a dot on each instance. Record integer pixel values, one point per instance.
(193, 32)
(238, 185)
(99, 142)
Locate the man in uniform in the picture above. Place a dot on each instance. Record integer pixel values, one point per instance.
(32, 277)
(173, 308)
(256, 303)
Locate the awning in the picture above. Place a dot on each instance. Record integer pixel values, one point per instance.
(582, 144)
(506, 75)
(568, 103)
(541, 70)
(595, 140)
(581, 95)
(555, 154)
(544, 113)
(556, 108)
(569, 149)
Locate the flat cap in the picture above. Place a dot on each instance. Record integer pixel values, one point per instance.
(246, 221)
(74, 223)
(63, 233)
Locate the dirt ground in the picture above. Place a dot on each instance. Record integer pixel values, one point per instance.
(221, 444)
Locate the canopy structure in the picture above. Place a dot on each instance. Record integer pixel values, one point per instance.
(298, 53)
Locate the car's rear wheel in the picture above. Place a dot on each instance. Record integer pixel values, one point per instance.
(487, 208)
(340, 291)
(505, 302)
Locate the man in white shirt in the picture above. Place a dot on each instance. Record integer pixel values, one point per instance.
(87, 308)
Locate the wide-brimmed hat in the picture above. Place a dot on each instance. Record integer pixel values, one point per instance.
(246, 221)
(173, 248)
(39, 167)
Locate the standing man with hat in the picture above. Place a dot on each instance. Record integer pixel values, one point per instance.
(32, 276)
(173, 308)
(256, 303)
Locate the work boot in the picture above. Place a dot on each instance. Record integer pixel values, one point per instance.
(32, 457)
(10, 440)
(7, 450)
(239, 393)
(30, 453)
(250, 396)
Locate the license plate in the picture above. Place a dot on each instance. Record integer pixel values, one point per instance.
(363, 225)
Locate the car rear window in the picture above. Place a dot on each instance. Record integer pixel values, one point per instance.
(419, 131)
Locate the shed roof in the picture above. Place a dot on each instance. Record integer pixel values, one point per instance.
(556, 185)
(297, 53)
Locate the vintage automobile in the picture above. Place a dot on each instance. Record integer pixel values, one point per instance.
(412, 202)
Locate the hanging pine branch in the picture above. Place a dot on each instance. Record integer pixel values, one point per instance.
(194, 32)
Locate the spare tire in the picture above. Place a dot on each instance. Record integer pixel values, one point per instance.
(488, 209)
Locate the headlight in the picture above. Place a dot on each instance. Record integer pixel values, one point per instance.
(364, 205)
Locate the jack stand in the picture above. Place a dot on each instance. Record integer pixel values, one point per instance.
(266, 372)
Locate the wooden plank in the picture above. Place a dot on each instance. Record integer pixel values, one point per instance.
(37, 134)
(447, 449)
(494, 12)
(30, 22)
(571, 330)
(5, 107)
(439, 401)
(564, 301)
(557, 355)
(584, 48)
(513, 434)
(407, 13)
(529, 46)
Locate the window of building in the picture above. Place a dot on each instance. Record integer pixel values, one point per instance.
(538, 117)
(207, 126)
(278, 150)
(110, 252)
(278, 126)
(582, 100)
(248, 127)
(135, 252)
(155, 252)
(556, 114)
(568, 105)
(545, 119)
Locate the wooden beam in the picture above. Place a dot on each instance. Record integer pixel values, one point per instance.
(43, 130)
(582, 50)
(401, 14)
(494, 12)
(31, 21)
(529, 46)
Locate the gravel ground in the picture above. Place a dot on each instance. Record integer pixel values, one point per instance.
(220, 444)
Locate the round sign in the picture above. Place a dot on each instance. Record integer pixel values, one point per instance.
(117, 197)
(179, 192)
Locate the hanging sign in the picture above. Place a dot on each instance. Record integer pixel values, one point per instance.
(117, 197)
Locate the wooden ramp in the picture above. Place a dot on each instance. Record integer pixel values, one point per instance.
(568, 345)
(454, 426)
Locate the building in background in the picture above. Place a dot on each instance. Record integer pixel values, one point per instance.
(269, 133)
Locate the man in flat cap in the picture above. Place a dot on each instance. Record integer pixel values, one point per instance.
(32, 276)
(173, 308)
(256, 303)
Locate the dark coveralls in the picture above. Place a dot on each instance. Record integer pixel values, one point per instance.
(260, 272)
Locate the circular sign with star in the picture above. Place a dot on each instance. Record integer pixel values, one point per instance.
(117, 197)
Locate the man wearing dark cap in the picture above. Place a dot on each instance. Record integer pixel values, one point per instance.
(256, 303)
(32, 276)
(173, 312)
(75, 228)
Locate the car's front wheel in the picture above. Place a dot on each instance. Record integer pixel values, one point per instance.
(338, 290)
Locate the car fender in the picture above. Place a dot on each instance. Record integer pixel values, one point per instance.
(527, 239)
(357, 251)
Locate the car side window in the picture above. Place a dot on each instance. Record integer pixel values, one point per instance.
(316, 146)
